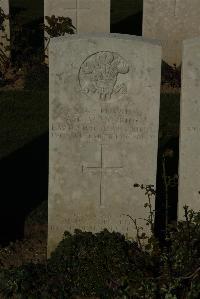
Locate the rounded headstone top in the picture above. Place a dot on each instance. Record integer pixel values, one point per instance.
(105, 36)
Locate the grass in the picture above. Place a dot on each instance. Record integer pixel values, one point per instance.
(24, 115)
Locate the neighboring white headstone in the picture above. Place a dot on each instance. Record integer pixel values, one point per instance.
(171, 21)
(87, 16)
(5, 35)
(189, 159)
(104, 119)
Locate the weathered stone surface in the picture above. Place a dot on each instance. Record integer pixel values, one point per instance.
(5, 35)
(189, 165)
(87, 15)
(171, 21)
(104, 114)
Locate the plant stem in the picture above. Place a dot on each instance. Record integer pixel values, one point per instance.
(166, 190)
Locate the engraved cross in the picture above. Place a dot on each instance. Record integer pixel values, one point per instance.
(102, 168)
(175, 7)
(77, 8)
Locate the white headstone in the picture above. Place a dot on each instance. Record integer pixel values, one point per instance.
(104, 117)
(87, 15)
(5, 35)
(171, 21)
(189, 159)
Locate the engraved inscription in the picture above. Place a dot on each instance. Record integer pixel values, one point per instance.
(193, 129)
(103, 125)
(98, 74)
(104, 222)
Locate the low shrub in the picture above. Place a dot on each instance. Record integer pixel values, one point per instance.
(27, 281)
(106, 265)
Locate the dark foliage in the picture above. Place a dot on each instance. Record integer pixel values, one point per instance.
(58, 26)
(96, 264)
(105, 265)
(3, 49)
(2, 18)
(171, 75)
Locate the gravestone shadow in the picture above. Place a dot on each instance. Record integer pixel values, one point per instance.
(130, 25)
(162, 204)
(24, 185)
